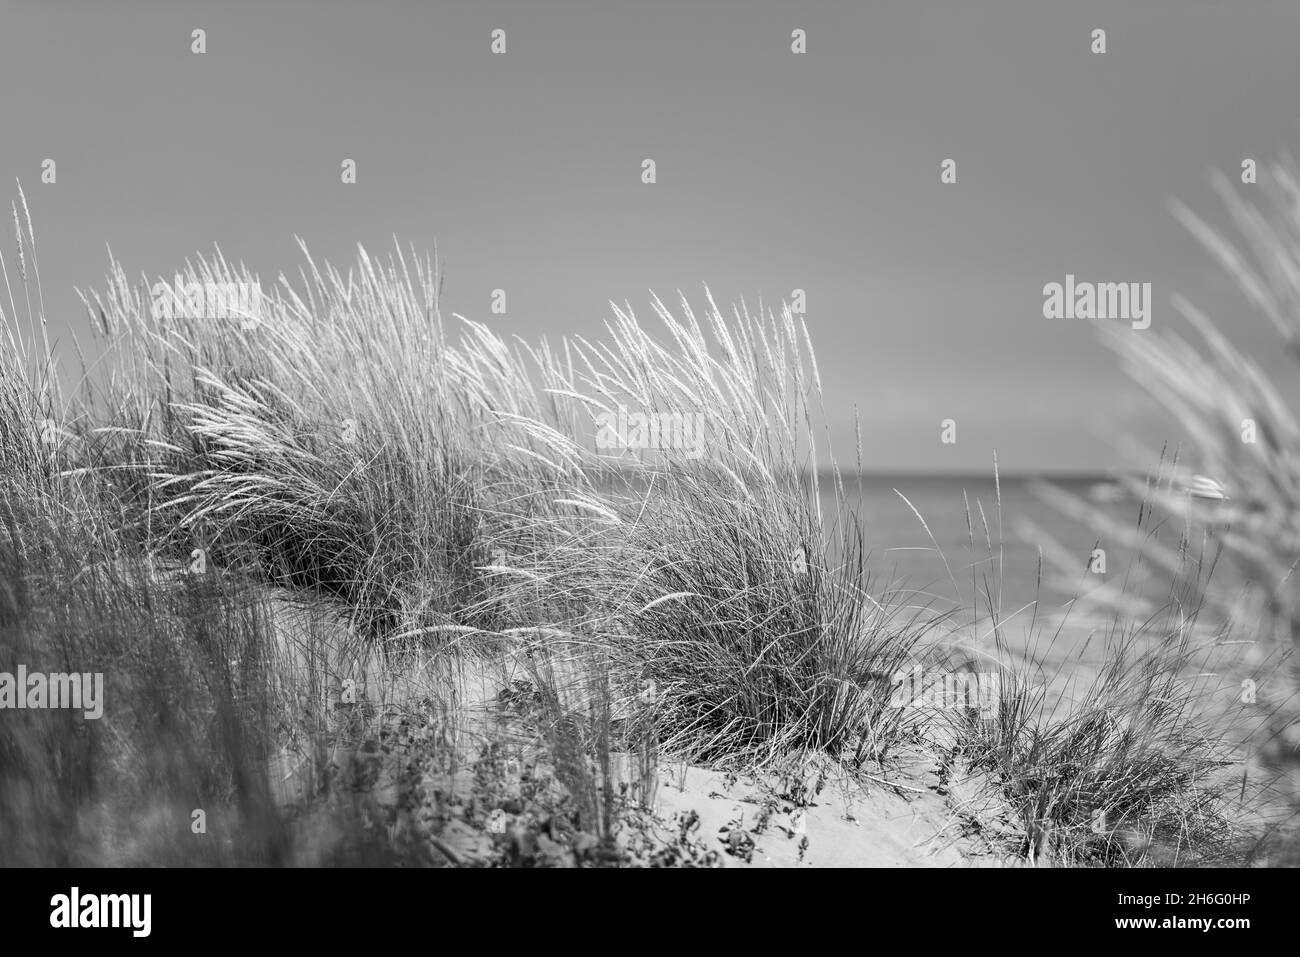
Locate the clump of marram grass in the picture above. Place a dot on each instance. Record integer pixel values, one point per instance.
(757, 643)
(1130, 756)
(1127, 768)
(725, 583)
(342, 440)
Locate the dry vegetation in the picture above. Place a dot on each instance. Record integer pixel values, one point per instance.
(365, 591)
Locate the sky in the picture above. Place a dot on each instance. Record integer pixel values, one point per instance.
(775, 171)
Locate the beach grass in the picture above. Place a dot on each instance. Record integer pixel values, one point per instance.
(440, 500)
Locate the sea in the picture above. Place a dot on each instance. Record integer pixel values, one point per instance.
(958, 544)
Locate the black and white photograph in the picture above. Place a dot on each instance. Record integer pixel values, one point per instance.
(595, 434)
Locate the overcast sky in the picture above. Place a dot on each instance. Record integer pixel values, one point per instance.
(776, 171)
